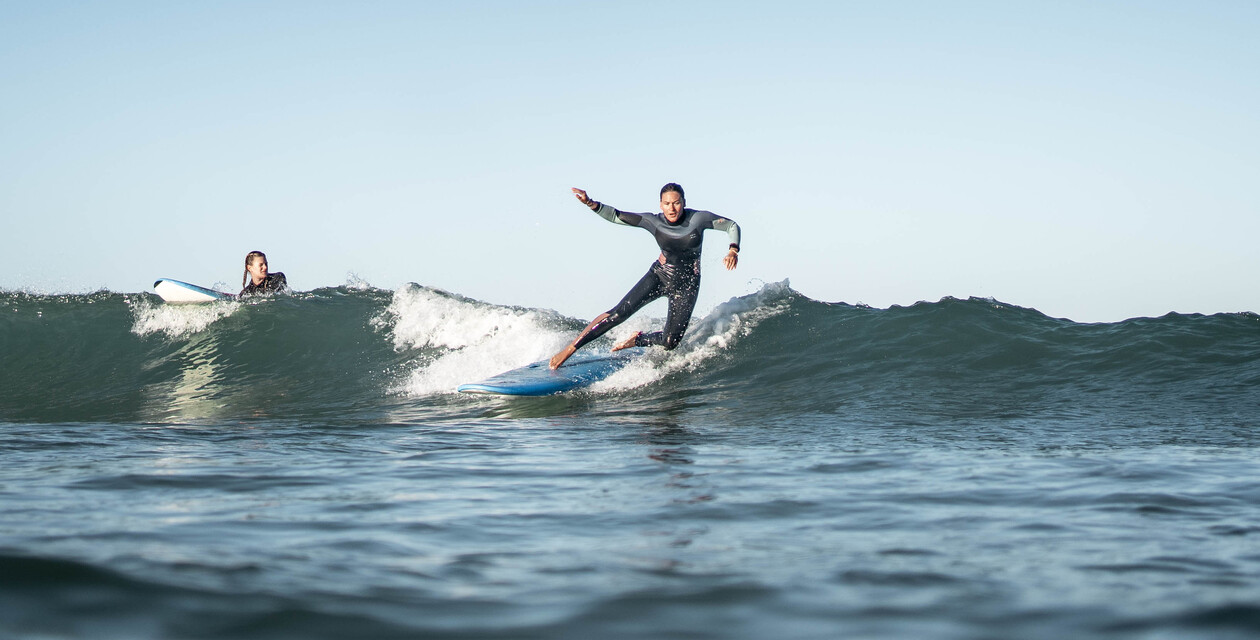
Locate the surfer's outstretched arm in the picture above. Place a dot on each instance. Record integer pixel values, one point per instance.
(607, 212)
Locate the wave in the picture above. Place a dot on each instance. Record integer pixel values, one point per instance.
(355, 350)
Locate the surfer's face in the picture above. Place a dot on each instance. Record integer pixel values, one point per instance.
(672, 206)
(257, 269)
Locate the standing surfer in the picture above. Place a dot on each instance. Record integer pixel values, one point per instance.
(679, 232)
(256, 279)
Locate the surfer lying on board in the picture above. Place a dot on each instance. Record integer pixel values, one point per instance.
(256, 280)
(679, 232)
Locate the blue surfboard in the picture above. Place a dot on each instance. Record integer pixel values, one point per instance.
(538, 379)
(177, 292)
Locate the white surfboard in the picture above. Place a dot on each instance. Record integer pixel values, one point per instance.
(176, 292)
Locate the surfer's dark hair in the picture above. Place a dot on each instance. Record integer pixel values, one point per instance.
(249, 257)
(675, 187)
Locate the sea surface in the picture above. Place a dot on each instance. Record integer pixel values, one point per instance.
(301, 467)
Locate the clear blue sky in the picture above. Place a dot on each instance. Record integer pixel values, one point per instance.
(1094, 160)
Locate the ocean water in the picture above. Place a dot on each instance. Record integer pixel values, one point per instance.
(300, 467)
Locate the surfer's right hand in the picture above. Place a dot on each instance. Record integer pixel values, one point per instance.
(581, 196)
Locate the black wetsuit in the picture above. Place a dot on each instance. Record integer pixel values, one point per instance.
(272, 283)
(678, 277)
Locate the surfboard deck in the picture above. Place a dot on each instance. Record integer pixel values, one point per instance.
(178, 292)
(537, 379)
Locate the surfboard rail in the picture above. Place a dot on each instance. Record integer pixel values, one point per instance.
(180, 292)
(538, 379)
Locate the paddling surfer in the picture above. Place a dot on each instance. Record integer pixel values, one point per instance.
(256, 280)
(679, 233)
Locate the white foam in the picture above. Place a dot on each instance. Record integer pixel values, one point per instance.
(177, 320)
(356, 283)
(709, 337)
(472, 340)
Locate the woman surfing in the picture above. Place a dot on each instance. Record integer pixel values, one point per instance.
(679, 233)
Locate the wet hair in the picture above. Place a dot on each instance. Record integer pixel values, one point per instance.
(676, 188)
(249, 257)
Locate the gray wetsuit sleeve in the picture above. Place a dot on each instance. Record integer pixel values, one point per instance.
(614, 216)
(729, 226)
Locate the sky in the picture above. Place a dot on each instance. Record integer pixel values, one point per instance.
(1093, 160)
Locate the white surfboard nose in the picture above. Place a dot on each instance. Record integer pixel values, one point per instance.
(177, 292)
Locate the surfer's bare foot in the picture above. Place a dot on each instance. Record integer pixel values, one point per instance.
(564, 354)
(627, 343)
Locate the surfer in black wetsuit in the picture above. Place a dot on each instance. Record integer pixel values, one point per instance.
(256, 280)
(679, 232)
